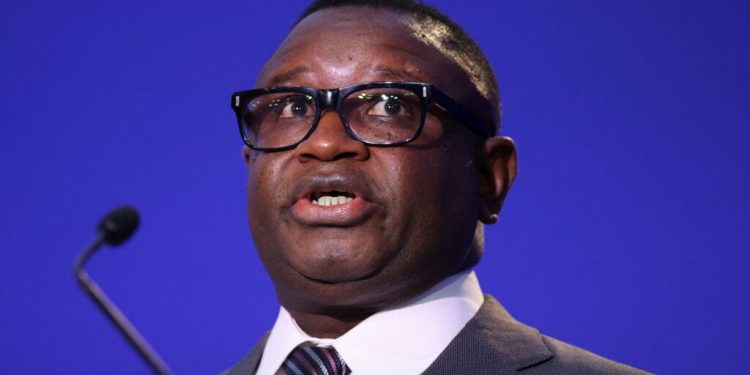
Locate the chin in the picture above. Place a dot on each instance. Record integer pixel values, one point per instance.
(332, 262)
(336, 271)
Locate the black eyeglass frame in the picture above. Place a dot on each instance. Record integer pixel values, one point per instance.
(333, 98)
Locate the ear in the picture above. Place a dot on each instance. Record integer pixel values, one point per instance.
(497, 170)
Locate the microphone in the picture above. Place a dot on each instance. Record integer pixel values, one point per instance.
(119, 225)
(114, 230)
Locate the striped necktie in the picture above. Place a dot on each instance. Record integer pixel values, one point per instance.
(308, 359)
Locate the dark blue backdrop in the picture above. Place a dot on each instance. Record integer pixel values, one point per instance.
(626, 232)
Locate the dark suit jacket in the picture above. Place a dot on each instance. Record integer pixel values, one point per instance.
(494, 343)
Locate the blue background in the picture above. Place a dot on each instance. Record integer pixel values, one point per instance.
(626, 232)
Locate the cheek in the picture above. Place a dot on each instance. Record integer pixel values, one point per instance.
(255, 189)
(263, 216)
(437, 188)
(262, 192)
(445, 170)
(264, 178)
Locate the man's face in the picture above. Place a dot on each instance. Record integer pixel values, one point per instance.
(411, 218)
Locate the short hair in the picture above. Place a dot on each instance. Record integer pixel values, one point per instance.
(460, 47)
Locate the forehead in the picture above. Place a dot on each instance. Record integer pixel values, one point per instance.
(341, 46)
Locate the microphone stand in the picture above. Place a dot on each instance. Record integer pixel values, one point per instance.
(113, 313)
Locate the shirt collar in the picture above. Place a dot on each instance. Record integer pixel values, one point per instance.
(402, 340)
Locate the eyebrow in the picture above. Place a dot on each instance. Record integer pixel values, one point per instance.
(391, 74)
(388, 74)
(289, 75)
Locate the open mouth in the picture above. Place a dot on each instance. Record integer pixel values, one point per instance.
(331, 198)
(331, 202)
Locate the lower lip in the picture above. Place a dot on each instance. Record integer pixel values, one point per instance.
(341, 215)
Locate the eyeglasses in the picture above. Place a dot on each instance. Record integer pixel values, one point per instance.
(377, 114)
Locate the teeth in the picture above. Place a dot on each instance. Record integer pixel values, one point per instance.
(328, 200)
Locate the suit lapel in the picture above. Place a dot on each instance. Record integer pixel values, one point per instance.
(491, 343)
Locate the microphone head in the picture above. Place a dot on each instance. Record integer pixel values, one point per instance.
(119, 225)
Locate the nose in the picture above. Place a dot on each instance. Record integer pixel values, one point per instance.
(330, 141)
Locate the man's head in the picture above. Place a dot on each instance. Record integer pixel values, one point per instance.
(410, 215)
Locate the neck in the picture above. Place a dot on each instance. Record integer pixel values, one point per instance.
(326, 326)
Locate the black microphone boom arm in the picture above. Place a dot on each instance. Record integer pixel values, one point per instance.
(110, 309)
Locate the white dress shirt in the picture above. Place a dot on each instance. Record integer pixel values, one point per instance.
(403, 340)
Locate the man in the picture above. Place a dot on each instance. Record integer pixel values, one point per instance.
(373, 167)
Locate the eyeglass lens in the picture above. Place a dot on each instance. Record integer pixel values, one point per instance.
(376, 115)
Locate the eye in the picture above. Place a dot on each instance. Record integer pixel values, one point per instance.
(296, 106)
(388, 105)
